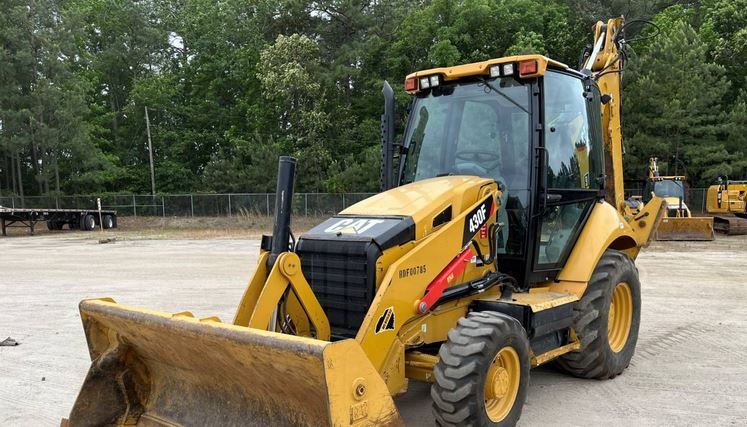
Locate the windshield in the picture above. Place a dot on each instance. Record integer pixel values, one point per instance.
(669, 189)
(479, 128)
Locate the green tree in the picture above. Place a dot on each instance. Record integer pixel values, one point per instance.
(445, 32)
(41, 101)
(673, 106)
(289, 71)
(725, 29)
(232, 84)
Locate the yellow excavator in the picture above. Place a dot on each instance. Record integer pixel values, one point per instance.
(501, 242)
(727, 201)
(678, 222)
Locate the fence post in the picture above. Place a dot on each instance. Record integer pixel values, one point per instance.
(192, 204)
(703, 206)
(134, 206)
(229, 204)
(163, 207)
(343, 200)
(57, 202)
(268, 203)
(306, 204)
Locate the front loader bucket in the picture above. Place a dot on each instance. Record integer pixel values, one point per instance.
(151, 368)
(684, 228)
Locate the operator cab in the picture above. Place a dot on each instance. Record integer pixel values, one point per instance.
(665, 188)
(531, 124)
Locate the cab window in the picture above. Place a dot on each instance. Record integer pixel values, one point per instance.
(573, 142)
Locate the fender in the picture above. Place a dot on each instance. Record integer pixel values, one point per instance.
(606, 229)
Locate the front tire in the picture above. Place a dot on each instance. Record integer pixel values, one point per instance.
(606, 320)
(482, 374)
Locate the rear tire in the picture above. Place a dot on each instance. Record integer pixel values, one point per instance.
(88, 222)
(608, 336)
(483, 346)
(108, 222)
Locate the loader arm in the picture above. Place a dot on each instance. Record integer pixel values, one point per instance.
(266, 290)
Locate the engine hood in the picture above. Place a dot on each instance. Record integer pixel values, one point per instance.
(422, 198)
(405, 213)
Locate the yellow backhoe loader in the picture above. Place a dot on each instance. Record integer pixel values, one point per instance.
(501, 242)
(678, 222)
(727, 201)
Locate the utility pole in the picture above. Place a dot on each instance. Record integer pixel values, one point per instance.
(150, 154)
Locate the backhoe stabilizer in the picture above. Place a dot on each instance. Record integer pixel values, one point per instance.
(155, 368)
(644, 223)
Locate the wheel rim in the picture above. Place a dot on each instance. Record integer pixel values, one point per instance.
(502, 384)
(620, 317)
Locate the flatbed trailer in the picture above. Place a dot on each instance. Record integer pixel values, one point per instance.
(56, 219)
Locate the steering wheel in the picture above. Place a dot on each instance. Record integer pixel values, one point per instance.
(484, 159)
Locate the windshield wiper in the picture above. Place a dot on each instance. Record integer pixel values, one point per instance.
(508, 98)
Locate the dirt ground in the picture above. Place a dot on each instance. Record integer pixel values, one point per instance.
(690, 366)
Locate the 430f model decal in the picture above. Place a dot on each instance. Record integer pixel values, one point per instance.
(477, 218)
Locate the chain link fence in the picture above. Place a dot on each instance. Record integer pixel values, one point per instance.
(216, 205)
(191, 205)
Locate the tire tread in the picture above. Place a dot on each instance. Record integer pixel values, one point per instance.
(462, 360)
(593, 360)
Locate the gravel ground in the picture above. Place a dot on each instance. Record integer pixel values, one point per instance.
(690, 366)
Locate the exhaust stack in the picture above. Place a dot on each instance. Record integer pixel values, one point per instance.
(283, 208)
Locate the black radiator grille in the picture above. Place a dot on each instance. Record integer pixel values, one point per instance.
(342, 275)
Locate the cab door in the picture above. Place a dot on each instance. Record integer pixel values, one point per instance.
(571, 169)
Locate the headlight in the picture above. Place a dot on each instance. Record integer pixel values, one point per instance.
(508, 69)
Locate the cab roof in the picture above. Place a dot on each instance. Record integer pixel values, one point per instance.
(483, 68)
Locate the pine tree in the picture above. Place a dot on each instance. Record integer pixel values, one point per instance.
(673, 106)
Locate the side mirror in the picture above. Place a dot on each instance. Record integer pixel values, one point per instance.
(387, 138)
